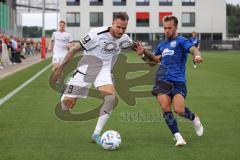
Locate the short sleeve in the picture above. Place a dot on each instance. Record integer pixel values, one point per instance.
(186, 44)
(126, 42)
(158, 51)
(128, 39)
(89, 41)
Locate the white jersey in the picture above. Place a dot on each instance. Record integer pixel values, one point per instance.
(61, 39)
(100, 54)
(101, 44)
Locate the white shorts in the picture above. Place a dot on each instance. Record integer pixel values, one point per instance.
(79, 84)
(57, 59)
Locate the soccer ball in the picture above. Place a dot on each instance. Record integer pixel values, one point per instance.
(111, 140)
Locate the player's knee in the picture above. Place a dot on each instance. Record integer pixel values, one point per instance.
(166, 108)
(179, 110)
(67, 103)
(108, 104)
(165, 103)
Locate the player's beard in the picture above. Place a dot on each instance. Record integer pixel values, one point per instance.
(117, 35)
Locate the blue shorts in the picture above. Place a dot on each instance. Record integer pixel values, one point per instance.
(178, 88)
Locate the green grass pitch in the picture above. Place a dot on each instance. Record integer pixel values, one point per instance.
(30, 130)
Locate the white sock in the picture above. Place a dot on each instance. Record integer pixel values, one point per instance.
(195, 121)
(177, 136)
(102, 120)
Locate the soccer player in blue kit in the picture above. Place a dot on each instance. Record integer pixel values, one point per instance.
(172, 54)
(194, 39)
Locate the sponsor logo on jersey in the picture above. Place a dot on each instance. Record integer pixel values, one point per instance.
(167, 52)
(173, 44)
(110, 48)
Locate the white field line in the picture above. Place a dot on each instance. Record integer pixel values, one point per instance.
(15, 91)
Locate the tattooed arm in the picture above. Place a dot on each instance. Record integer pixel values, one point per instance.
(147, 56)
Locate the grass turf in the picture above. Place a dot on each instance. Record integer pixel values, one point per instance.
(29, 128)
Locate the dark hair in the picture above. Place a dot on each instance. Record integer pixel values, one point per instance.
(121, 15)
(171, 18)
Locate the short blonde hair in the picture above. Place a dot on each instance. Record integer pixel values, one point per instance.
(171, 18)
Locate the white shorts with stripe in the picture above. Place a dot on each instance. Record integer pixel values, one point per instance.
(79, 84)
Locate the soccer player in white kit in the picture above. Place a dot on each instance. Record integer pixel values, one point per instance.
(59, 44)
(101, 46)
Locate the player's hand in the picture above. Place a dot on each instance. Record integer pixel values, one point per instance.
(198, 59)
(70, 45)
(49, 49)
(139, 48)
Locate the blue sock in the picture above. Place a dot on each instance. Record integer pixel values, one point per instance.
(171, 122)
(188, 114)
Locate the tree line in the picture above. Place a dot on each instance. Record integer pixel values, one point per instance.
(35, 32)
(233, 20)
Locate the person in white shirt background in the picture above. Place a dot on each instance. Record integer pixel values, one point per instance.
(59, 44)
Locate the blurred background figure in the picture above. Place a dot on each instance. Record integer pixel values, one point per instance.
(194, 39)
(59, 44)
(4, 56)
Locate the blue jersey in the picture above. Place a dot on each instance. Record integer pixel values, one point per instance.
(174, 54)
(195, 41)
